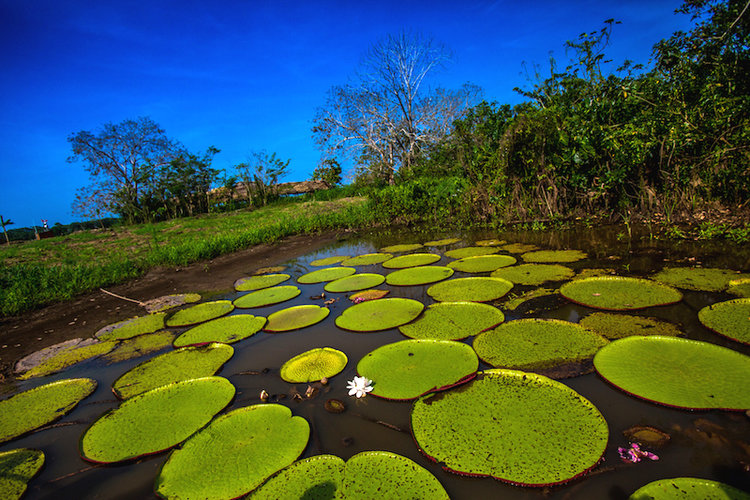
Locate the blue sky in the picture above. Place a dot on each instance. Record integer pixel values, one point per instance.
(246, 76)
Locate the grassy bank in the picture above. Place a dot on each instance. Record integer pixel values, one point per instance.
(37, 273)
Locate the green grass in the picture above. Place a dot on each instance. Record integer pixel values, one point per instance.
(37, 273)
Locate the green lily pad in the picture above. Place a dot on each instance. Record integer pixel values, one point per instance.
(367, 259)
(173, 366)
(316, 364)
(200, 313)
(411, 260)
(617, 326)
(482, 263)
(329, 261)
(267, 297)
(730, 319)
(519, 247)
(411, 368)
(470, 289)
(677, 372)
(407, 247)
(326, 274)
(17, 468)
(518, 427)
(268, 270)
(366, 475)
(132, 327)
(739, 287)
(619, 293)
(534, 274)
(227, 330)
(155, 420)
(420, 275)
(368, 295)
(355, 282)
(259, 282)
(36, 407)
(214, 463)
(167, 302)
(453, 321)
(697, 278)
(140, 346)
(594, 273)
(688, 488)
(441, 243)
(69, 357)
(294, 318)
(490, 243)
(517, 301)
(542, 256)
(547, 346)
(382, 314)
(462, 253)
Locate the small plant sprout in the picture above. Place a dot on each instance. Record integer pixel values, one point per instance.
(360, 386)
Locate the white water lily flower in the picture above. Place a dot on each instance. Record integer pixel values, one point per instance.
(360, 386)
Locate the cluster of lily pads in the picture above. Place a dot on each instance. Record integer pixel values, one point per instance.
(511, 421)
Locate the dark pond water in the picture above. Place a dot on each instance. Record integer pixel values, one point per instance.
(706, 444)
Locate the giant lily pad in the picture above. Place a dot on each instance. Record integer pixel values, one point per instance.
(515, 302)
(316, 364)
(382, 314)
(17, 467)
(140, 346)
(687, 488)
(482, 263)
(470, 289)
(739, 287)
(534, 274)
(411, 260)
(155, 420)
(619, 293)
(200, 313)
(490, 243)
(368, 295)
(406, 247)
(420, 275)
(167, 302)
(541, 256)
(462, 253)
(370, 474)
(326, 274)
(268, 270)
(259, 282)
(329, 261)
(453, 321)
(412, 368)
(367, 259)
(441, 243)
(227, 330)
(547, 346)
(267, 296)
(519, 247)
(173, 366)
(132, 327)
(36, 407)
(293, 318)
(515, 426)
(69, 357)
(234, 454)
(677, 372)
(697, 278)
(617, 326)
(355, 282)
(730, 318)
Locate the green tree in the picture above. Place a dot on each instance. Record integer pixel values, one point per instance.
(6, 222)
(261, 175)
(329, 171)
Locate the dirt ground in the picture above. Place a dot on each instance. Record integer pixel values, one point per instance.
(85, 315)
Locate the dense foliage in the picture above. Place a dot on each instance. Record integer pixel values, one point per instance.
(663, 140)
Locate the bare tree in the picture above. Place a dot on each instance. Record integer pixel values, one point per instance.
(388, 115)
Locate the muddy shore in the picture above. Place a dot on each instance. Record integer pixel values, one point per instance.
(84, 315)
